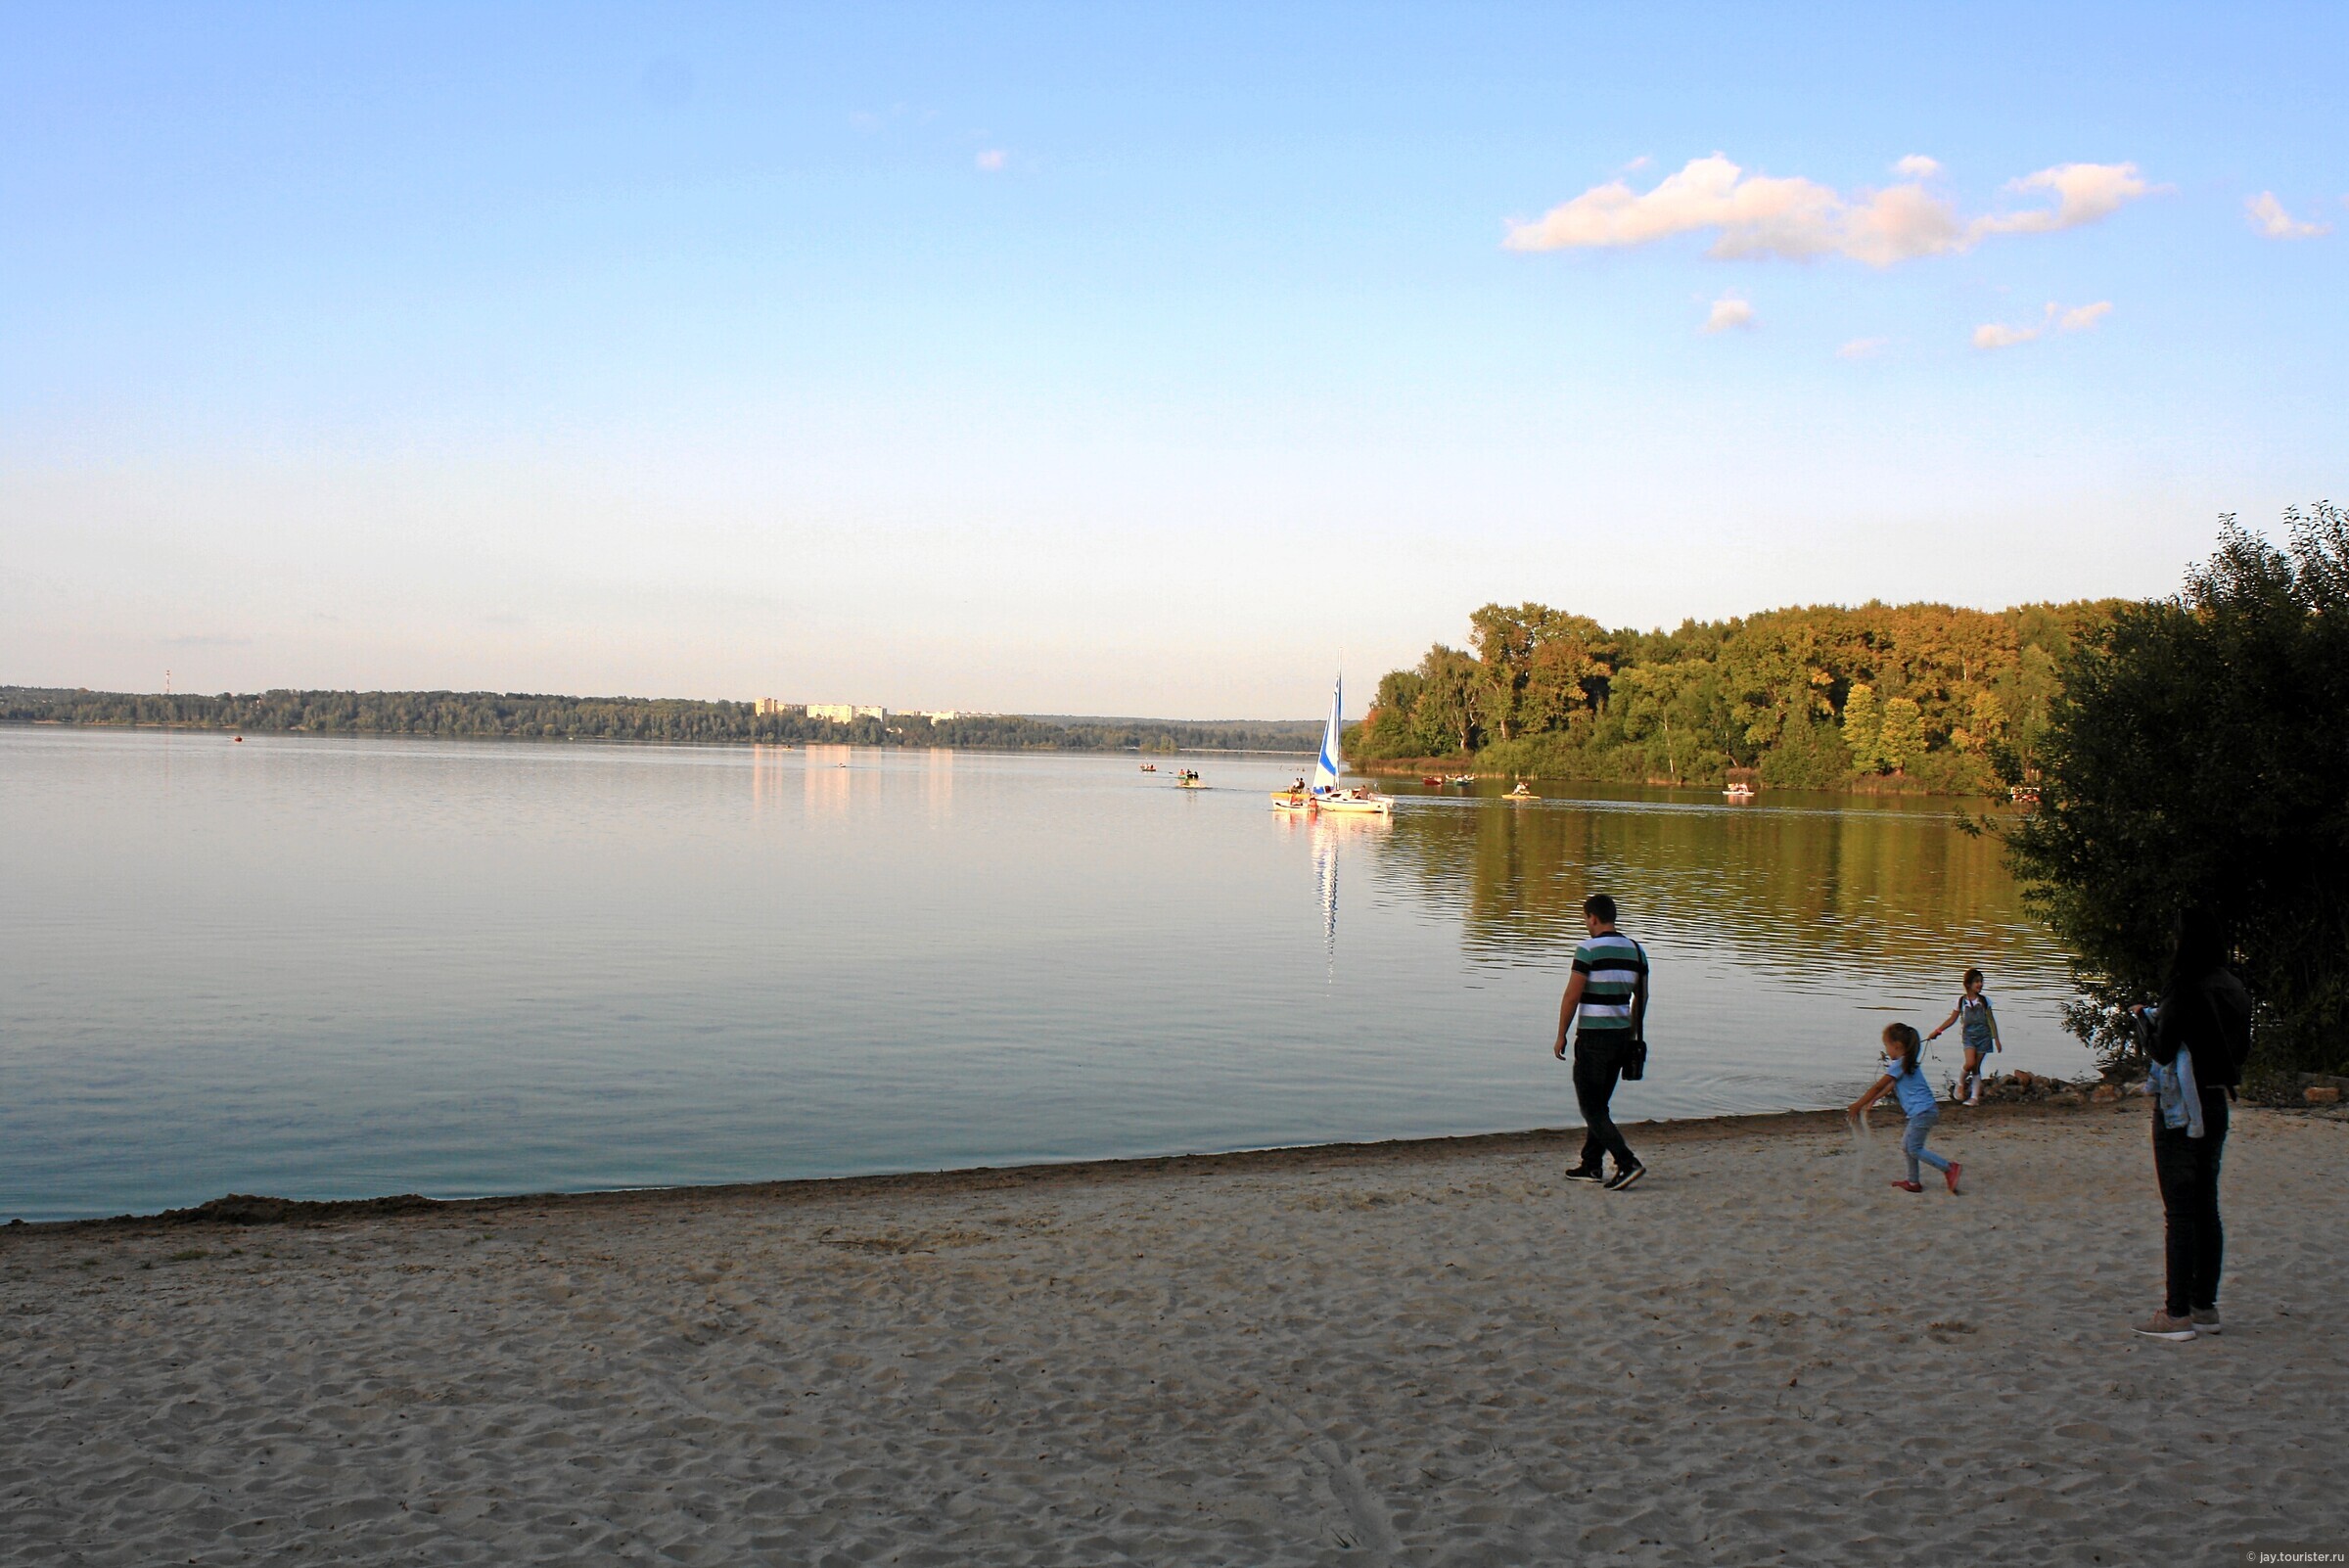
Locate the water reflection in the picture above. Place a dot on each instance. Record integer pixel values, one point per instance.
(830, 771)
(1330, 840)
(1785, 889)
(938, 784)
(769, 767)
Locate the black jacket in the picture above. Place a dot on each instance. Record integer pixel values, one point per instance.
(2210, 1015)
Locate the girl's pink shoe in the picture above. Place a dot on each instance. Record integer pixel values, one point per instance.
(1909, 1186)
(1951, 1177)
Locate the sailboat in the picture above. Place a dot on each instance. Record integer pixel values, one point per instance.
(1327, 794)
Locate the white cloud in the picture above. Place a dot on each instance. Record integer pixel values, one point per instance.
(2078, 318)
(1861, 349)
(1729, 311)
(1900, 223)
(2085, 192)
(1993, 335)
(991, 161)
(1755, 215)
(2268, 215)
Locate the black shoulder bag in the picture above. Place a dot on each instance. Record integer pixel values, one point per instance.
(1634, 1051)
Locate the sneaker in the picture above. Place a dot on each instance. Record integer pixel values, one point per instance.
(1624, 1178)
(1951, 1177)
(1909, 1186)
(2162, 1325)
(1585, 1172)
(2205, 1319)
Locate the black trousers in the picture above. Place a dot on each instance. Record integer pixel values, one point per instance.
(2188, 1171)
(1597, 1065)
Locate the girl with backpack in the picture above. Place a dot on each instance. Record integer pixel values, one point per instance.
(1904, 1077)
(1981, 1034)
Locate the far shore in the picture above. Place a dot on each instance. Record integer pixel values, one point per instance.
(305, 734)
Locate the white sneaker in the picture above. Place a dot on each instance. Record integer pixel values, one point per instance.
(2162, 1325)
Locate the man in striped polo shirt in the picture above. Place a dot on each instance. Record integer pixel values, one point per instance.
(1606, 1004)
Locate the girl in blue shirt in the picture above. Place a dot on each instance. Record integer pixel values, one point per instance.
(1904, 1077)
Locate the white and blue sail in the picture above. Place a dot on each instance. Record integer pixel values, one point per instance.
(1325, 765)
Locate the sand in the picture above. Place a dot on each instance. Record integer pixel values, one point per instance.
(1424, 1353)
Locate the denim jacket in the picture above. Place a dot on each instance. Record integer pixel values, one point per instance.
(2180, 1097)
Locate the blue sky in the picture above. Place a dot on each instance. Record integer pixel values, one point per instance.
(1124, 359)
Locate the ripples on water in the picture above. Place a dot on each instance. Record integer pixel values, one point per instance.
(335, 968)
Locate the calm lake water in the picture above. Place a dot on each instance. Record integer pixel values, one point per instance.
(337, 968)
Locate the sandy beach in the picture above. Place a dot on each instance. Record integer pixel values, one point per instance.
(1414, 1353)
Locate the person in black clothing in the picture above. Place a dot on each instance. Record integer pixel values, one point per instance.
(2204, 1018)
(1605, 1006)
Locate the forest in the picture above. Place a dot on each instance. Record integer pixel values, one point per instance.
(1917, 697)
(622, 719)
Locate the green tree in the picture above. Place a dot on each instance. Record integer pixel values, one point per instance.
(1990, 718)
(1503, 638)
(1807, 756)
(1446, 716)
(1864, 729)
(2196, 758)
(1902, 739)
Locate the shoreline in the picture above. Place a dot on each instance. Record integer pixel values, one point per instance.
(238, 1210)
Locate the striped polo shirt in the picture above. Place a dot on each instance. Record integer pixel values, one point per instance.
(1612, 965)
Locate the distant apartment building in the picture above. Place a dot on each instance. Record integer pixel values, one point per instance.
(776, 707)
(939, 716)
(846, 712)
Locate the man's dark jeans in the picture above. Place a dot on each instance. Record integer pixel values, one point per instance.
(1597, 1064)
(2188, 1171)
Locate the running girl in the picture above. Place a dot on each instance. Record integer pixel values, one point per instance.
(1904, 1077)
(1981, 1036)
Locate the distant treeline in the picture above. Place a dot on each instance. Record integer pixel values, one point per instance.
(632, 719)
(1932, 697)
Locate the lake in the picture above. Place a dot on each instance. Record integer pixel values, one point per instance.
(325, 967)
